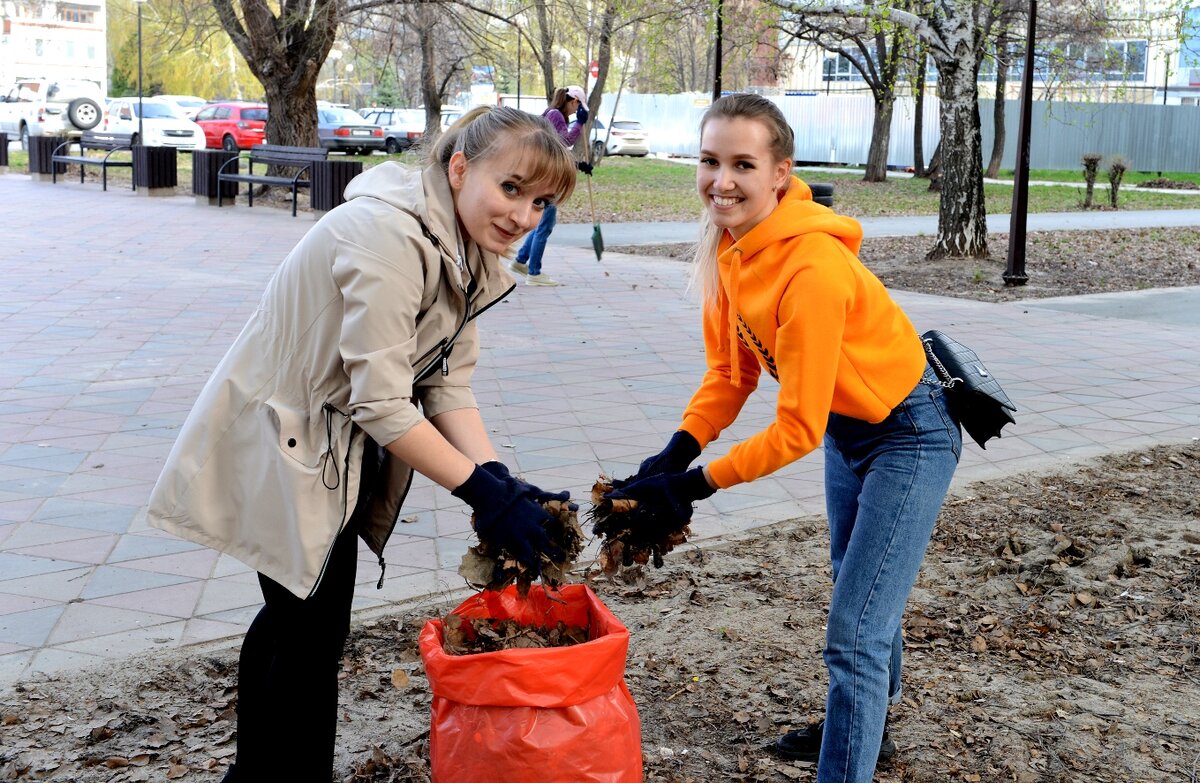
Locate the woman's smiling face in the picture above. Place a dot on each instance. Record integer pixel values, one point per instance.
(738, 178)
(495, 201)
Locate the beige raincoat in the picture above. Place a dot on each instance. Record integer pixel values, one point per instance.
(366, 328)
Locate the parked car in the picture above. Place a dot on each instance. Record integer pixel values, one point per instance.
(233, 125)
(346, 130)
(162, 123)
(47, 107)
(402, 128)
(189, 105)
(626, 137)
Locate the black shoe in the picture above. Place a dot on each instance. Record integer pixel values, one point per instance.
(805, 744)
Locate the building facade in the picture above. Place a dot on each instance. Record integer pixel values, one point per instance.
(1152, 61)
(53, 39)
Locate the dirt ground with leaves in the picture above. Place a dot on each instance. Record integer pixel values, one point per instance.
(1058, 263)
(1054, 636)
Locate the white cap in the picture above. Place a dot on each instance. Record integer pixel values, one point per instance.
(576, 92)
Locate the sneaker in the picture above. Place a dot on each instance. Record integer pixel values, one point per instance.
(805, 744)
(520, 267)
(540, 279)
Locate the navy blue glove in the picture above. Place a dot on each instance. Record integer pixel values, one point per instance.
(500, 471)
(508, 517)
(581, 114)
(584, 166)
(680, 450)
(669, 495)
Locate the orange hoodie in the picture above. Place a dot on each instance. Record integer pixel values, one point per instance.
(796, 301)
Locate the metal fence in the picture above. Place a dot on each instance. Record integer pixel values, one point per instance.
(837, 129)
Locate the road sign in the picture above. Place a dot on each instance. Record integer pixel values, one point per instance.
(594, 69)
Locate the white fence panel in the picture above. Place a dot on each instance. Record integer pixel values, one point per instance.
(837, 129)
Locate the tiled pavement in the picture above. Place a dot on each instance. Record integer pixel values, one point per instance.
(114, 308)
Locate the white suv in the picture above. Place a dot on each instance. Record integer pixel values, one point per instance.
(46, 107)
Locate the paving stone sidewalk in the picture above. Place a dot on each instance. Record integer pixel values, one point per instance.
(115, 307)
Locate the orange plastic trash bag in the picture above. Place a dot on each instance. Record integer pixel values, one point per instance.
(543, 715)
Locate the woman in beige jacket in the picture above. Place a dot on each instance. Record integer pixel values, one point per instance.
(353, 372)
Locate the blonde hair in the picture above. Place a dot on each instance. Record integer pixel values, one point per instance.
(486, 131)
(782, 144)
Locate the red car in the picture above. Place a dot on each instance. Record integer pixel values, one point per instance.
(233, 126)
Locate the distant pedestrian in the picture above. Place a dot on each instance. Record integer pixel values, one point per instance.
(564, 103)
(354, 372)
(785, 292)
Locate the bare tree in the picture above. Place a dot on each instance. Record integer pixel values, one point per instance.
(876, 49)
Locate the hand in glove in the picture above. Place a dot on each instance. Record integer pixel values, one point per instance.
(679, 452)
(499, 470)
(584, 166)
(668, 495)
(581, 114)
(507, 516)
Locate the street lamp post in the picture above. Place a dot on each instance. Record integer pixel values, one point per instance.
(141, 138)
(1014, 270)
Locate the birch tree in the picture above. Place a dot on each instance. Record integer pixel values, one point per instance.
(956, 32)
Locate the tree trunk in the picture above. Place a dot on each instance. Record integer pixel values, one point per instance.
(998, 108)
(881, 132)
(285, 55)
(962, 219)
(425, 19)
(546, 56)
(919, 115)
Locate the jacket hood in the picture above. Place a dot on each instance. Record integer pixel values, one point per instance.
(405, 188)
(426, 194)
(797, 214)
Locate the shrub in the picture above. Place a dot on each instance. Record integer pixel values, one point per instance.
(1091, 162)
(1116, 171)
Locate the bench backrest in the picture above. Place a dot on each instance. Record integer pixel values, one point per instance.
(105, 141)
(279, 155)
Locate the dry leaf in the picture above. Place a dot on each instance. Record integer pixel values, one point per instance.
(399, 679)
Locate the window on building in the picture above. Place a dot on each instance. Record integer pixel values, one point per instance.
(76, 13)
(91, 52)
(38, 47)
(1110, 61)
(839, 68)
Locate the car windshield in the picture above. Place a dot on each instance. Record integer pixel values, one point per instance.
(628, 125)
(189, 103)
(340, 117)
(410, 117)
(254, 114)
(160, 111)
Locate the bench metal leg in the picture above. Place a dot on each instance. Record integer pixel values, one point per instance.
(81, 168)
(293, 200)
(250, 192)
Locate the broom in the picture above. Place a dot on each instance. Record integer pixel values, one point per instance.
(597, 237)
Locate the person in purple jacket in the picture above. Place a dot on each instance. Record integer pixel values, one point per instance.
(564, 103)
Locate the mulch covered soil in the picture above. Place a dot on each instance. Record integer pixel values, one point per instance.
(1054, 636)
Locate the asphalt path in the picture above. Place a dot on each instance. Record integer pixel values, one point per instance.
(1175, 306)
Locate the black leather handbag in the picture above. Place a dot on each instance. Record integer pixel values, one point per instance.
(976, 398)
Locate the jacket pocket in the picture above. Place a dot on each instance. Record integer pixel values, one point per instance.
(295, 433)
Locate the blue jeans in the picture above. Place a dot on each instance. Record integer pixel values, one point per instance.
(884, 486)
(535, 244)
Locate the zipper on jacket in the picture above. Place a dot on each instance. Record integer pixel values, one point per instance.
(329, 411)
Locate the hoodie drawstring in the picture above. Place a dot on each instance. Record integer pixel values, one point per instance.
(735, 348)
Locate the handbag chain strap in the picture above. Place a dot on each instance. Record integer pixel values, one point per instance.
(940, 368)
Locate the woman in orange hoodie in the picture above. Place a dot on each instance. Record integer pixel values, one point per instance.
(784, 292)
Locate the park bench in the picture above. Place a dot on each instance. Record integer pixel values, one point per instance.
(109, 143)
(299, 158)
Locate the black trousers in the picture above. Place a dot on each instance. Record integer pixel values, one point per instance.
(288, 669)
